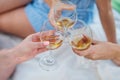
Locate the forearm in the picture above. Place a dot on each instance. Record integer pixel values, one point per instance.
(109, 26)
(107, 19)
(7, 64)
(6, 5)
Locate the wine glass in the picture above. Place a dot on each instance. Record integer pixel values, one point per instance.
(65, 19)
(49, 33)
(81, 39)
(81, 36)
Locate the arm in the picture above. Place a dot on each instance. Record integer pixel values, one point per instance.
(26, 50)
(6, 5)
(107, 20)
(7, 64)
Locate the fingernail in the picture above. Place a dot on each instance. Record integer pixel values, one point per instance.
(46, 43)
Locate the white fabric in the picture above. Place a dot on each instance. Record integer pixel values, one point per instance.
(8, 41)
(70, 67)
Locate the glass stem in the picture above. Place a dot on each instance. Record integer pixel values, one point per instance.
(66, 34)
(50, 59)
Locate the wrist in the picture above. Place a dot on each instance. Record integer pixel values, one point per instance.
(7, 64)
(116, 58)
(14, 53)
(12, 56)
(7, 58)
(112, 38)
(116, 61)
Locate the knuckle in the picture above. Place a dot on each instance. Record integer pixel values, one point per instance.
(93, 57)
(39, 44)
(78, 53)
(92, 52)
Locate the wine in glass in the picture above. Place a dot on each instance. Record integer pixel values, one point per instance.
(65, 19)
(81, 39)
(49, 33)
(81, 36)
(81, 42)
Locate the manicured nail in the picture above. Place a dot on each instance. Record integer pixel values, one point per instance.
(46, 43)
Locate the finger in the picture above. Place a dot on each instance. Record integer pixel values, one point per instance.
(36, 37)
(57, 15)
(88, 56)
(53, 22)
(36, 45)
(42, 50)
(77, 52)
(67, 7)
(91, 56)
(47, 33)
(39, 51)
(51, 32)
(52, 18)
(82, 52)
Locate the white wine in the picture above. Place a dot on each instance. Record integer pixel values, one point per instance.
(65, 22)
(81, 43)
(55, 41)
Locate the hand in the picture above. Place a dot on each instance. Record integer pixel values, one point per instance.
(101, 51)
(60, 6)
(29, 48)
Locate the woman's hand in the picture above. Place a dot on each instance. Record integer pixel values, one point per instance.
(29, 48)
(26, 50)
(60, 6)
(101, 51)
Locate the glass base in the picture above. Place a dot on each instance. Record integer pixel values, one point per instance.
(48, 63)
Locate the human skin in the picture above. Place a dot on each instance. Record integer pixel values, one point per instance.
(20, 20)
(101, 51)
(13, 19)
(107, 19)
(7, 5)
(26, 50)
(106, 16)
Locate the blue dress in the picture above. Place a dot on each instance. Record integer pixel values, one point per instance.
(37, 12)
